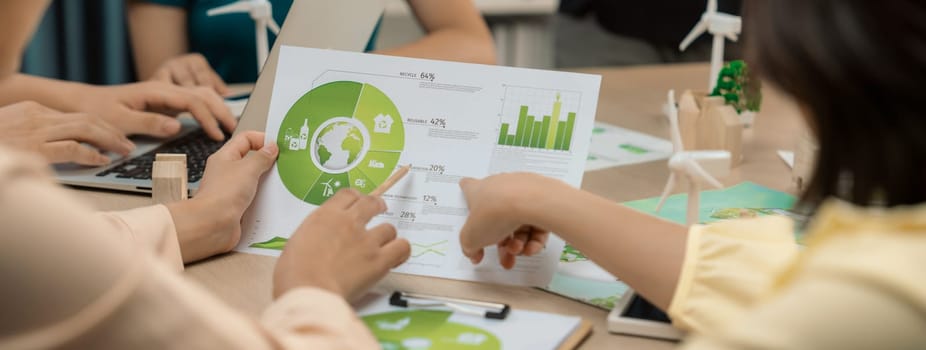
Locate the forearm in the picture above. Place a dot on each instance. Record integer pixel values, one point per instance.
(158, 34)
(644, 251)
(58, 94)
(18, 19)
(449, 45)
(456, 32)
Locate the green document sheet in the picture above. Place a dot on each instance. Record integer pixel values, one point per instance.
(578, 278)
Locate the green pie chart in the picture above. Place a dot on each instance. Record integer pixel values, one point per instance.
(338, 135)
(427, 329)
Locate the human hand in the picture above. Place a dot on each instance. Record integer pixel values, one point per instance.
(190, 70)
(497, 215)
(210, 223)
(58, 136)
(334, 250)
(149, 108)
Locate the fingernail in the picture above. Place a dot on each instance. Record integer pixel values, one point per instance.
(171, 126)
(270, 149)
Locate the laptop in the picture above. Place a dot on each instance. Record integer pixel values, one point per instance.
(343, 25)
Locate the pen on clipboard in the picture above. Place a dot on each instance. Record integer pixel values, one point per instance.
(391, 181)
(496, 311)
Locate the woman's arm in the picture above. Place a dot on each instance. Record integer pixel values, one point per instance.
(646, 252)
(89, 282)
(158, 34)
(18, 19)
(456, 32)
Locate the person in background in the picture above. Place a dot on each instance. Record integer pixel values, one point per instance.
(633, 32)
(54, 117)
(175, 41)
(74, 279)
(860, 282)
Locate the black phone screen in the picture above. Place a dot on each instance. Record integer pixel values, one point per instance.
(642, 309)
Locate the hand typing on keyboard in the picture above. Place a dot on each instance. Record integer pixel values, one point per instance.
(149, 108)
(196, 145)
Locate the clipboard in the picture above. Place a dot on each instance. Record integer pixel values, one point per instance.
(485, 313)
(578, 336)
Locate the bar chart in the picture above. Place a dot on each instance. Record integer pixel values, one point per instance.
(539, 125)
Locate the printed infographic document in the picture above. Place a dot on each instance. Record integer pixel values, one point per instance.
(614, 146)
(441, 328)
(349, 120)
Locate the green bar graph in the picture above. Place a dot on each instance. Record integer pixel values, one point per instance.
(503, 134)
(544, 132)
(561, 130)
(535, 136)
(549, 132)
(522, 124)
(554, 123)
(528, 131)
(570, 123)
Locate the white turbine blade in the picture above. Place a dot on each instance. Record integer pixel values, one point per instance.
(670, 185)
(274, 27)
(235, 7)
(711, 6)
(674, 131)
(699, 29)
(732, 36)
(696, 171)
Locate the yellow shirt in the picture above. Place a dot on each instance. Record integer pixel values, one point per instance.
(859, 284)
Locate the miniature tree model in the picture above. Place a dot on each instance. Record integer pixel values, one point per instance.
(739, 88)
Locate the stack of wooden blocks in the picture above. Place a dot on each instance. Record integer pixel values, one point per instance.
(708, 123)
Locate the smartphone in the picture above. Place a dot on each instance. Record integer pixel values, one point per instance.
(634, 315)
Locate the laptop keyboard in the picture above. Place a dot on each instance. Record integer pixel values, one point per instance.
(196, 145)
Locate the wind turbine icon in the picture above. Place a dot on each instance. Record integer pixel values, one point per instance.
(262, 14)
(694, 166)
(722, 26)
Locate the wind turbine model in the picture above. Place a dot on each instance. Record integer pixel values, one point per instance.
(261, 13)
(694, 166)
(721, 25)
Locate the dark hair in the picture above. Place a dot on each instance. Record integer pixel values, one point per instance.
(858, 67)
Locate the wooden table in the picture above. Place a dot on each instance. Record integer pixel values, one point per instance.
(631, 98)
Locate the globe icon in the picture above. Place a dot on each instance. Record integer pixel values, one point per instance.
(342, 134)
(339, 145)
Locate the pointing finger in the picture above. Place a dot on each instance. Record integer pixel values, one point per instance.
(395, 253)
(366, 207)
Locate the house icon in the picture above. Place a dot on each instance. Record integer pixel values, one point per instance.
(382, 124)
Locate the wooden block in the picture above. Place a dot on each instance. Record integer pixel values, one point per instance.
(169, 178)
(168, 157)
(720, 128)
(711, 126)
(688, 113)
(733, 134)
(805, 155)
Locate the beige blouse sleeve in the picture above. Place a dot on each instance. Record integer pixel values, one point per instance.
(151, 227)
(862, 289)
(76, 280)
